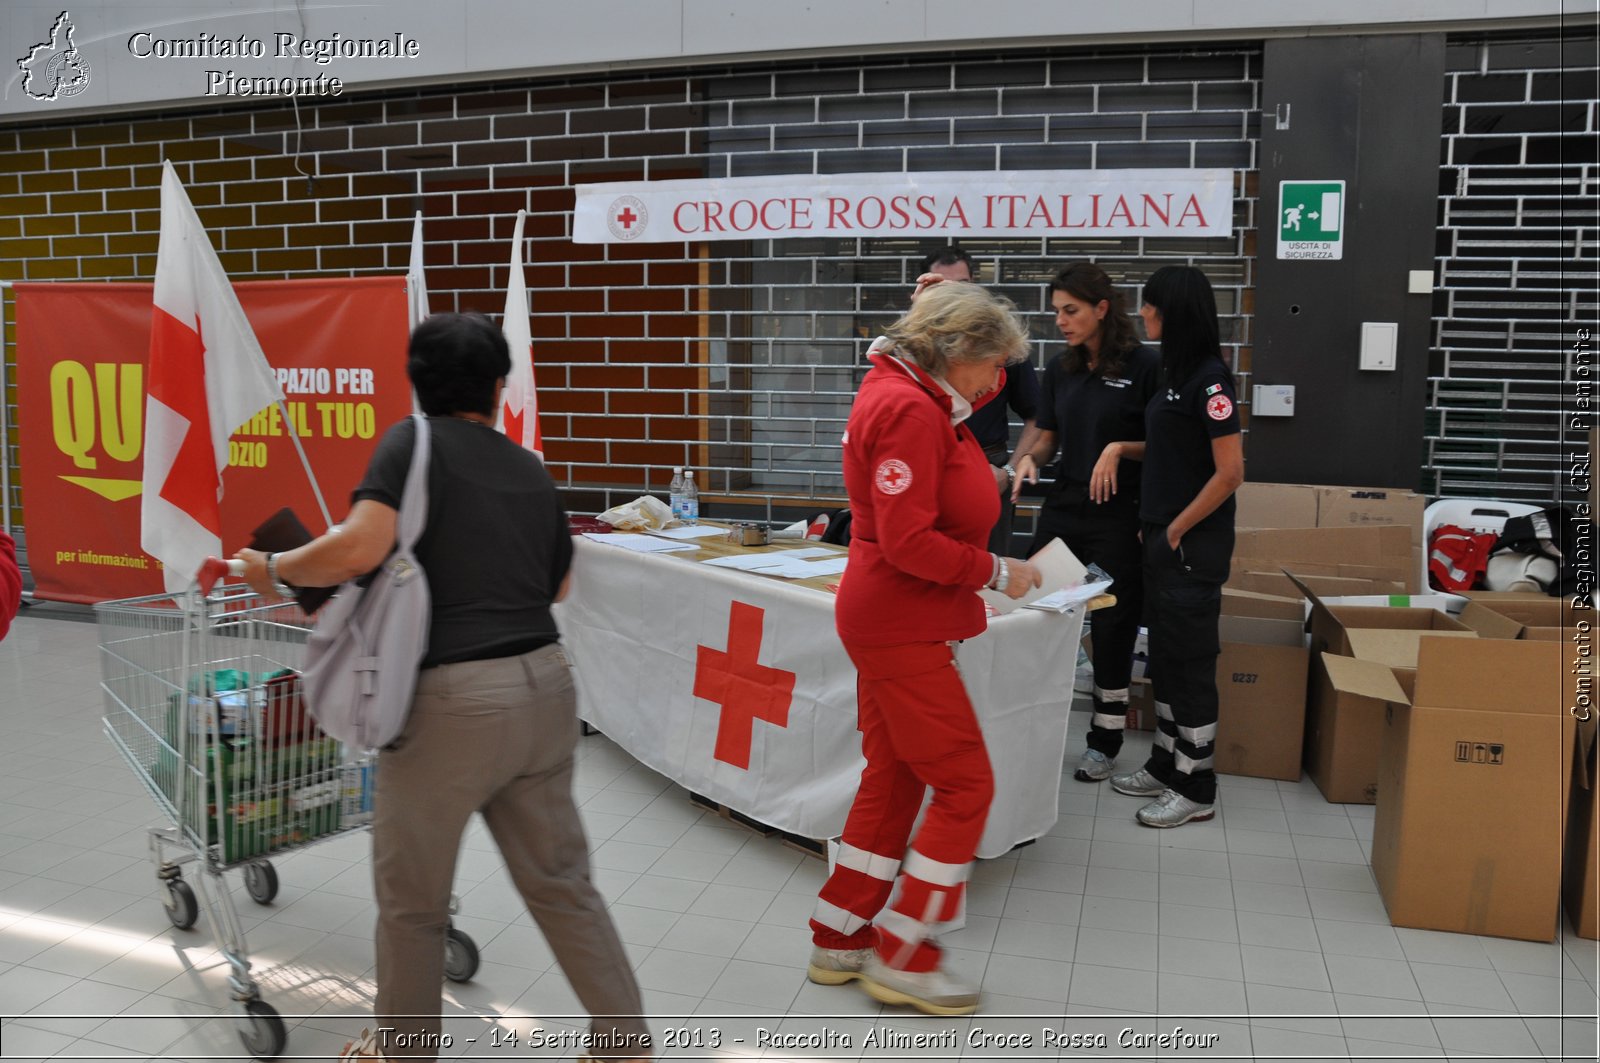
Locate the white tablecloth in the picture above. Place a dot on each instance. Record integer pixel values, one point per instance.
(769, 729)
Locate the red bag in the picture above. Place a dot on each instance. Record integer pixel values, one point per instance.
(1458, 557)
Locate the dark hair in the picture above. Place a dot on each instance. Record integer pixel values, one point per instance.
(949, 256)
(1087, 282)
(454, 362)
(1190, 333)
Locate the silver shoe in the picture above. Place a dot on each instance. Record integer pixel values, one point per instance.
(836, 966)
(933, 992)
(1093, 766)
(1172, 809)
(1138, 784)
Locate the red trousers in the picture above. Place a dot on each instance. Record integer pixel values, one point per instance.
(918, 730)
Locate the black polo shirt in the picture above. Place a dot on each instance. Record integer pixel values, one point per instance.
(1179, 427)
(990, 425)
(1087, 410)
(496, 545)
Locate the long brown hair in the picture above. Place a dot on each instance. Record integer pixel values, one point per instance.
(1088, 283)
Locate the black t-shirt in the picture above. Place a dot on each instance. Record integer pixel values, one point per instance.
(1088, 410)
(496, 545)
(1179, 427)
(990, 426)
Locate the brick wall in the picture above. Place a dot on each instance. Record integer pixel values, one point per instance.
(735, 358)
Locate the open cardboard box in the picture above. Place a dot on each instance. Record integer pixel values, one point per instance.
(1379, 555)
(1474, 775)
(1341, 752)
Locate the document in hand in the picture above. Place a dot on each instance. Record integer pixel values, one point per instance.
(1058, 568)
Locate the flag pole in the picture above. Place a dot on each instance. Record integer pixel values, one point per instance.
(305, 463)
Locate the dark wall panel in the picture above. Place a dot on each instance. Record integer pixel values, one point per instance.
(1365, 110)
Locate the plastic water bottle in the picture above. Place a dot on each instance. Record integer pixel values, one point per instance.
(691, 500)
(675, 492)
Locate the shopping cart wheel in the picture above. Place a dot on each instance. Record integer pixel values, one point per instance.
(180, 904)
(460, 956)
(261, 881)
(263, 1034)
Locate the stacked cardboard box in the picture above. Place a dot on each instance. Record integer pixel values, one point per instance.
(1333, 561)
(1261, 686)
(1263, 505)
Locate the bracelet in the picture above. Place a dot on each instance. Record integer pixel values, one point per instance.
(1003, 578)
(1011, 473)
(279, 587)
(994, 572)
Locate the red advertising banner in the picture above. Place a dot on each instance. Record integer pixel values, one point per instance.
(339, 350)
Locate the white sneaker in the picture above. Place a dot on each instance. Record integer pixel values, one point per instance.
(1138, 784)
(1172, 809)
(1093, 766)
(836, 966)
(933, 992)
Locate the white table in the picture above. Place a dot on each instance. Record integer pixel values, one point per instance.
(769, 729)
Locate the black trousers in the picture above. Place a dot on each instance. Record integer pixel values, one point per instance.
(1105, 534)
(1182, 600)
(1000, 535)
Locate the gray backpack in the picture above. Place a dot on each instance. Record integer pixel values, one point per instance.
(362, 658)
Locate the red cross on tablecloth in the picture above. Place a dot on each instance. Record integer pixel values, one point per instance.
(746, 689)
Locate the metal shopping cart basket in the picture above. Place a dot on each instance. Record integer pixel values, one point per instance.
(202, 696)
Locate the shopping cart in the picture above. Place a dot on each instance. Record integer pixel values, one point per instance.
(202, 696)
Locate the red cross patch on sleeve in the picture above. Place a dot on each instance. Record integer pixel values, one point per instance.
(893, 476)
(1219, 407)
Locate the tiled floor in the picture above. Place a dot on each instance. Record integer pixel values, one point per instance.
(1260, 932)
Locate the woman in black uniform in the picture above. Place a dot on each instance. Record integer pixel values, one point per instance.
(1092, 405)
(1193, 462)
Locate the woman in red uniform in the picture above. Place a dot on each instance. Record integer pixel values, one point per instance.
(922, 500)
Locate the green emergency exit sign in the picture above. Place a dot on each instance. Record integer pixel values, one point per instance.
(1311, 219)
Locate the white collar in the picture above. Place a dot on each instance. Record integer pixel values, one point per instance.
(960, 408)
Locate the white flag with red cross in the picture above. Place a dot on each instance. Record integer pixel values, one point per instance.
(519, 405)
(207, 376)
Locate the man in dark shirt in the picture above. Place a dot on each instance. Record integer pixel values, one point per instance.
(990, 423)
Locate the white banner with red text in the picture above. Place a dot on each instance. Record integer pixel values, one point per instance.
(1007, 203)
(736, 687)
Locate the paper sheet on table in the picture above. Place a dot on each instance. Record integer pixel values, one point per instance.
(811, 551)
(689, 531)
(643, 544)
(1063, 600)
(1058, 568)
(781, 563)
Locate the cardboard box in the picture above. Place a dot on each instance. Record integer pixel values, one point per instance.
(1473, 778)
(1580, 890)
(1238, 602)
(1273, 583)
(1355, 507)
(1261, 691)
(1141, 706)
(1263, 505)
(1381, 553)
(1344, 726)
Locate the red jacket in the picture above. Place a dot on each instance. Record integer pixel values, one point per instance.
(10, 583)
(922, 502)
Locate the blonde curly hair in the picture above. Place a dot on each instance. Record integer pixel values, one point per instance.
(956, 322)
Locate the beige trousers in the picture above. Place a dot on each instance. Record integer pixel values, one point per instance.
(495, 737)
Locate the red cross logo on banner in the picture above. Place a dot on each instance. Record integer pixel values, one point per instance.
(627, 217)
(746, 689)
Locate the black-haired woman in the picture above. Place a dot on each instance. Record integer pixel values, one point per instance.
(493, 726)
(1092, 406)
(1193, 463)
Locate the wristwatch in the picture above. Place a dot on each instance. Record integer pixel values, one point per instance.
(279, 587)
